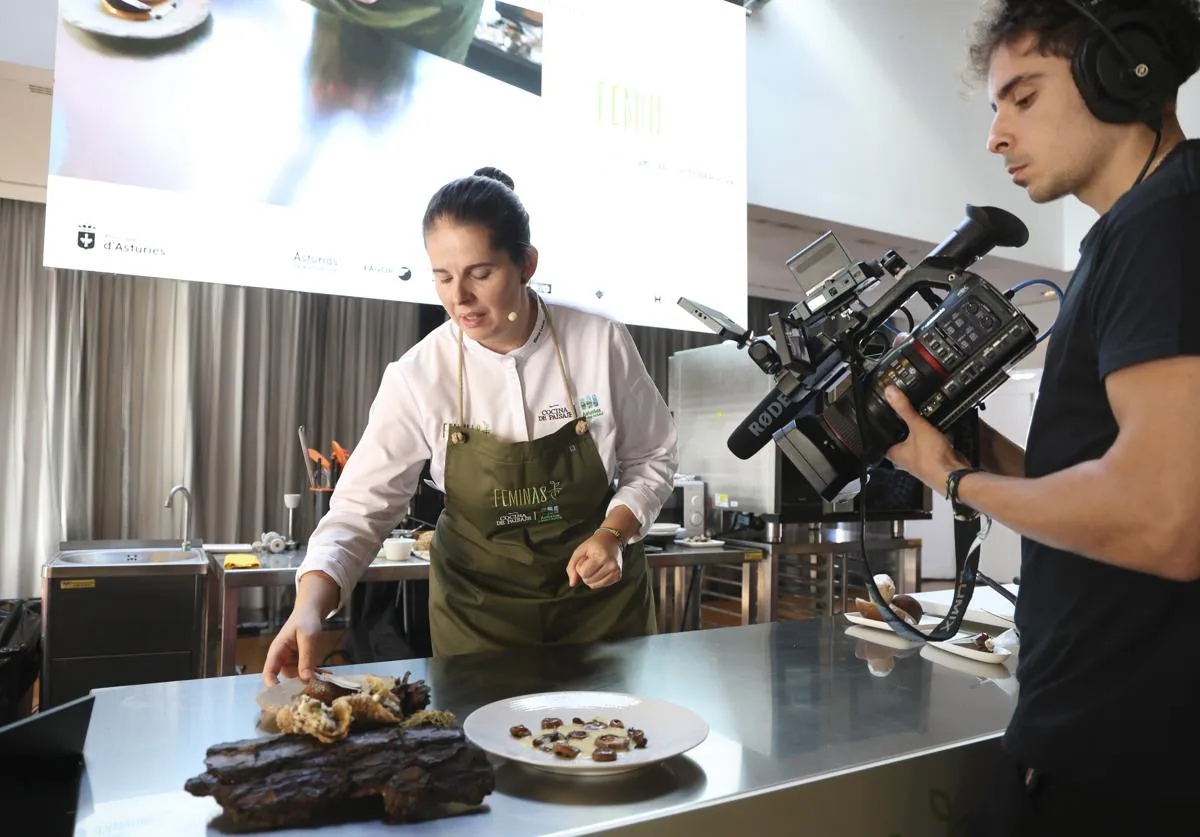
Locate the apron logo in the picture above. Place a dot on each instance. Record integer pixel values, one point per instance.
(515, 518)
(589, 406)
(522, 518)
(534, 495)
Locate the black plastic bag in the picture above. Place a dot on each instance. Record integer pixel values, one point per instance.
(20, 653)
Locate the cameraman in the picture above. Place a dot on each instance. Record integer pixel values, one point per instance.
(1107, 495)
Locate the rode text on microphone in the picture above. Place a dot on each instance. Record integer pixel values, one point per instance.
(827, 411)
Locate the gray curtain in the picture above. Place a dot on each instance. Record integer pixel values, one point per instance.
(118, 387)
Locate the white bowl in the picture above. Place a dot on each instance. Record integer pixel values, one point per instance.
(398, 549)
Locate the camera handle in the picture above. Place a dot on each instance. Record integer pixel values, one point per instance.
(968, 536)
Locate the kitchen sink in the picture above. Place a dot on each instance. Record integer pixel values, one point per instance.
(121, 612)
(110, 557)
(125, 557)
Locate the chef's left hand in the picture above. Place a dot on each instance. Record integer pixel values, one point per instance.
(597, 562)
(926, 453)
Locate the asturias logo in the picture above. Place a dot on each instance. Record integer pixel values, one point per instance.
(589, 405)
(85, 238)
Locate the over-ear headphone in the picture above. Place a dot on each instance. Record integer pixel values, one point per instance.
(1123, 67)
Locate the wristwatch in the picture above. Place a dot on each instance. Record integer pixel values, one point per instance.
(962, 511)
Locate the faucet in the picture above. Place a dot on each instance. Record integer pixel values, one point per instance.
(187, 512)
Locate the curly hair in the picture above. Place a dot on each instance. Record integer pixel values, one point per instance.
(1058, 29)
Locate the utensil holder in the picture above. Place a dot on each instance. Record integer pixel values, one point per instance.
(320, 504)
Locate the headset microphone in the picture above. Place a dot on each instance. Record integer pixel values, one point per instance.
(512, 316)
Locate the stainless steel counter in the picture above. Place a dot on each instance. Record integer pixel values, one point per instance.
(792, 706)
(279, 570)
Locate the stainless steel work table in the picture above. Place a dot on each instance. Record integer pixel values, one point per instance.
(803, 738)
(672, 565)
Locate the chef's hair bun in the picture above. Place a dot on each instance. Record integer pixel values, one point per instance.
(488, 200)
(494, 173)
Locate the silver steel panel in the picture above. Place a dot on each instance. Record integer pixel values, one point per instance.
(788, 704)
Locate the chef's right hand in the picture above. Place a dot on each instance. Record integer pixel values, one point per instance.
(293, 651)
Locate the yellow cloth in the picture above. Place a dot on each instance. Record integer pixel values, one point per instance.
(241, 561)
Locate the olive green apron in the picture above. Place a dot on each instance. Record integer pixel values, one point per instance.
(514, 514)
(444, 27)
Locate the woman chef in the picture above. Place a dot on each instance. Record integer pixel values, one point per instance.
(550, 440)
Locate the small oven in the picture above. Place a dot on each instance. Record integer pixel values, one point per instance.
(685, 507)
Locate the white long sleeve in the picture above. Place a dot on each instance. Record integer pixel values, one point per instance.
(518, 397)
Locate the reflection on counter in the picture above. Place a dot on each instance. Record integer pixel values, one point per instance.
(800, 730)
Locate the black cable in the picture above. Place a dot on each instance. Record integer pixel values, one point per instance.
(997, 586)
(1150, 159)
(692, 593)
(967, 574)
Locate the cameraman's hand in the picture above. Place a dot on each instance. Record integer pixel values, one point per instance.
(926, 453)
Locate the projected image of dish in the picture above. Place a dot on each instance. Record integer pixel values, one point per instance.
(136, 19)
(295, 144)
(334, 101)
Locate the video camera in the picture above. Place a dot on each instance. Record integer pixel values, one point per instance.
(827, 411)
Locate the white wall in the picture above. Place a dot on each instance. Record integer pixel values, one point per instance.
(25, 135)
(836, 131)
(855, 146)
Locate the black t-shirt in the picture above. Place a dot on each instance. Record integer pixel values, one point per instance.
(1109, 667)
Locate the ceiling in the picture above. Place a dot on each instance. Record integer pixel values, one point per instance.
(776, 236)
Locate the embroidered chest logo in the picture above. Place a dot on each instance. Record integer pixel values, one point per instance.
(479, 428)
(555, 413)
(589, 406)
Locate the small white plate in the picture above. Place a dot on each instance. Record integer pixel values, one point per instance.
(90, 16)
(682, 542)
(671, 730)
(961, 645)
(927, 623)
(662, 530)
(989, 671)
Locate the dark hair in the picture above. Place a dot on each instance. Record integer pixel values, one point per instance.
(1058, 29)
(485, 198)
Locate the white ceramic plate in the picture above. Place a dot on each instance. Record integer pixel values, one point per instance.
(670, 730)
(988, 671)
(890, 640)
(961, 645)
(90, 15)
(662, 530)
(682, 542)
(927, 623)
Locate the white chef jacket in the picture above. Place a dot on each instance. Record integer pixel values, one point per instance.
(518, 396)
